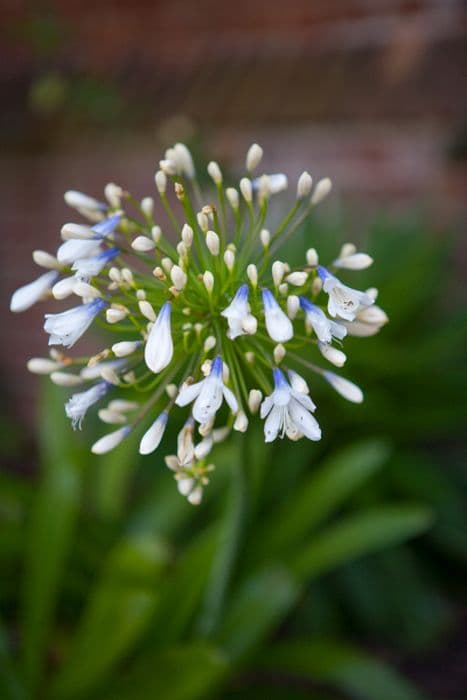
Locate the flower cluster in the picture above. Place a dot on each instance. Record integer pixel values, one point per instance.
(203, 316)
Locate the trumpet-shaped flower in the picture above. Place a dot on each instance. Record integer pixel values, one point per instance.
(288, 412)
(159, 346)
(85, 268)
(343, 301)
(238, 315)
(77, 406)
(208, 394)
(324, 328)
(67, 327)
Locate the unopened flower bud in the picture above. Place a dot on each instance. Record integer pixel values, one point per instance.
(208, 280)
(312, 257)
(253, 157)
(160, 179)
(246, 189)
(254, 400)
(252, 273)
(147, 310)
(293, 305)
(178, 277)
(187, 235)
(143, 244)
(232, 196)
(212, 242)
(304, 185)
(298, 278)
(322, 189)
(279, 353)
(241, 422)
(215, 172)
(265, 237)
(278, 270)
(333, 355)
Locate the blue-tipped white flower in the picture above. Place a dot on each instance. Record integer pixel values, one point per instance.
(78, 248)
(159, 345)
(343, 301)
(152, 437)
(278, 324)
(29, 294)
(85, 268)
(110, 441)
(77, 406)
(67, 327)
(208, 394)
(324, 328)
(238, 315)
(288, 412)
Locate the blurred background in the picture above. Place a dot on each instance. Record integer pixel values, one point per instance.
(372, 93)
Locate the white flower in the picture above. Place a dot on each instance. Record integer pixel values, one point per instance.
(368, 322)
(125, 347)
(324, 328)
(267, 185)
(67, 327)
(29, 294)
(253, 157)
(355, 261)
(76, 407)
(159, 345)
(344, 387)
(153, 436)
(288, 412)
(238, 314)
(208, 394)
(278, 324)
(343, 301)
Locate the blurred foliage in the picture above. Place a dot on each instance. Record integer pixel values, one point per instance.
(129, 592)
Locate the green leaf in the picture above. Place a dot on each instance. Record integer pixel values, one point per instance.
(341, 666)
(258, 606)
(49, 534)
(357, 535)
(11, 683)
(177, 673)
(320, 495)
(117, 613)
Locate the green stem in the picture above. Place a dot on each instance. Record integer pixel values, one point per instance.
(229, 545)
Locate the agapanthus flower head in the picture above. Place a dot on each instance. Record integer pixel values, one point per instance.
(206, 321)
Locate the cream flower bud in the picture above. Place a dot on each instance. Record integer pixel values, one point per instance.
(279, 353)
(187, 235)
(293, 304)
(250, 357)
(43, 259)
(253, 157)
(212, 242)
(108, 442)
(322, 189)
(347, 250)
(160, 179)
(110, 375)
(220, 434)
(115, 275)
(265, 237)
(250, 324)
(229, 259)
(83, 289)
(66, 379)
(333, 355)
(64, 288)
(122, 405)
(374, 315)
(283, 289)
(209, 343)
(208, 281)
(171, 390)
(203, 221)
(110, 417)
(278, 270)
(252, 273)
(113, 315)
(297, 382)
(178, 277)
(147, 206)
(215, 172)
(304, 185)
(348, 390)
(241, 422)
(358, 261)
(184, 160)
(246, 189)
(127, 275)
(232, 195)
(147, 310)
(298, 278)
(113, 194)
(125, 347)
(254, 400)
(42, 365)
(168, 167)
(195, 496)
(312, 257)
(156, 234)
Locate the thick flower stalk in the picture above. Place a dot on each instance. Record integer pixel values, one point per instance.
(207, 321)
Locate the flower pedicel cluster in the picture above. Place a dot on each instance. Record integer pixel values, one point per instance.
(214, 319)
